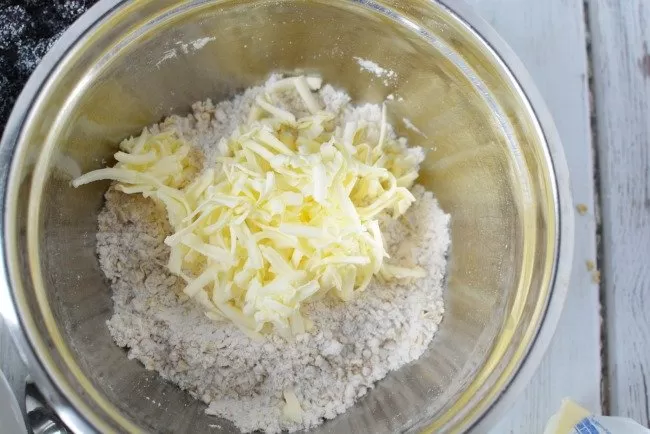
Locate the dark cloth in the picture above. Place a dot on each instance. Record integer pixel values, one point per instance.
(28, 28)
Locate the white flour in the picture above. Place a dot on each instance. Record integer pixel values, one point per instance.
(387, 75)
(411, 126)
(352, 345)
(184, 47)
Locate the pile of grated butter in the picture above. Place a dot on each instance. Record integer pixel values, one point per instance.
(288, 215)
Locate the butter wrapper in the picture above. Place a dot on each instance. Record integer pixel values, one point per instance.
(573, 419)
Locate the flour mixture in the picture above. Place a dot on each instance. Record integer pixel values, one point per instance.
(334, 350)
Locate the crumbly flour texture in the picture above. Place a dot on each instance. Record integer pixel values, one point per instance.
(352, 346)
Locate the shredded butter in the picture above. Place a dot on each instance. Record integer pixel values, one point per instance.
(288, 215)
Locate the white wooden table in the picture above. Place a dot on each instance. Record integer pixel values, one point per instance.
(604, 122)
(550, 37)
(604, 365)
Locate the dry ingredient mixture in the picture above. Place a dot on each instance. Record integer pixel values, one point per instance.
(274, 383)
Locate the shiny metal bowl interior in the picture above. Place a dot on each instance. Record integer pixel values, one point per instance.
(488, 164)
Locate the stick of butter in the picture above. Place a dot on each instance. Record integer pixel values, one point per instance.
(573, 419)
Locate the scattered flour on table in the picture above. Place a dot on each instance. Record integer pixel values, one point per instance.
(13, 25)
(24, 29)
(28, 28)
(352, 345)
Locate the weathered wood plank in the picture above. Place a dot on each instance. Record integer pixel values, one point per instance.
(550, 38)
(621, 44)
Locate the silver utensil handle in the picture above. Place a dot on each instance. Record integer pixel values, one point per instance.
(26, 407)
(42, 419)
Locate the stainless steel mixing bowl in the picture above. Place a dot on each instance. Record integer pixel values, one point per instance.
(495, 163)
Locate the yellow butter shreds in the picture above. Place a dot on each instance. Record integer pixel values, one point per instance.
(292, 410)
(288, 215)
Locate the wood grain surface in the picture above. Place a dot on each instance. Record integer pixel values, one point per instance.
(621, 59)
(549, 37)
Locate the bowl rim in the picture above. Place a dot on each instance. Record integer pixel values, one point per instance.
(561, 273)
(23, 338)
(87, 421)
